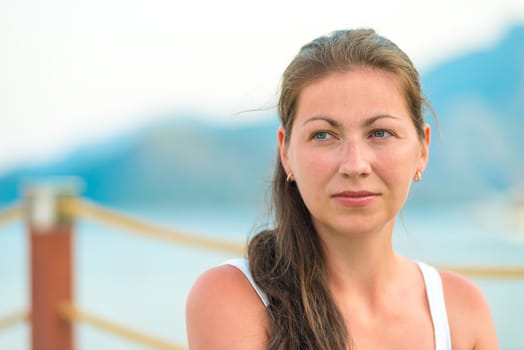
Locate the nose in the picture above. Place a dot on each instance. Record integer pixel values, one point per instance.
(354, 160)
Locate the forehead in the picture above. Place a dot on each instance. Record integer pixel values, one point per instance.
(357, 93)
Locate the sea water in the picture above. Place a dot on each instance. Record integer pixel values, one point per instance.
(143, 283)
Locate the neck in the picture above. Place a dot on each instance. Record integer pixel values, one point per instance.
(363, 265)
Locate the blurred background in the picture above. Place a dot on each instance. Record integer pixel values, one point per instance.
(150, 104)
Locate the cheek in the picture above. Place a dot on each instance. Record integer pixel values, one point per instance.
(311, 165)
(399, 165)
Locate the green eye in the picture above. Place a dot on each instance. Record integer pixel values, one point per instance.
(321, 135)
(380, 134)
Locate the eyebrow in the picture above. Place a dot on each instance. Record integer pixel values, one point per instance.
(368, 122)
(331, 121)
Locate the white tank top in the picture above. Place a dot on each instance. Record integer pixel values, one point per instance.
(434, 293)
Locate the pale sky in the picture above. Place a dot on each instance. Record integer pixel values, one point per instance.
(72, 72)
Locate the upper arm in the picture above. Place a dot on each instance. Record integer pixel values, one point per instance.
(470, 319)
(223, 311)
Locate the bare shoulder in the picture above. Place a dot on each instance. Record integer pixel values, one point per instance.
(223, 311)
(469, 315)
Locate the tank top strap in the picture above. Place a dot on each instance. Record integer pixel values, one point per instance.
(437, 306)
(243, 265)
(434, 293)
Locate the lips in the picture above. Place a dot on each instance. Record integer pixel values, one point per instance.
(355, 198)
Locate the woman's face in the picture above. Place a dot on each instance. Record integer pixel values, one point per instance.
(353, 151)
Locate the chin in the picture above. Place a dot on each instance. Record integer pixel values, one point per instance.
(361, 226)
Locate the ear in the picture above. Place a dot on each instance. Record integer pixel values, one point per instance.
(424, 155)
(282, 147)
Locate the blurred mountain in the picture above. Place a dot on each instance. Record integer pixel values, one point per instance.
(479, 100)
(185, 161)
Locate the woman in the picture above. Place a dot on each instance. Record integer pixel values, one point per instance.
(352, 141)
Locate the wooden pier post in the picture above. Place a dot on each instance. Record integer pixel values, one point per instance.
(51, 264)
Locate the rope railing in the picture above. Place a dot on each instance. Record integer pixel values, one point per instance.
(13, 319)
(90, 210)
(487, 272)
(98, 213)
(73, 314)
(11, 213)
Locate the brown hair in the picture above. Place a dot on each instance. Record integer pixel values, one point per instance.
(287, 262)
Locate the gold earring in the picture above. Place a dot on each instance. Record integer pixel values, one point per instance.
(289, 178)
(418, 176)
